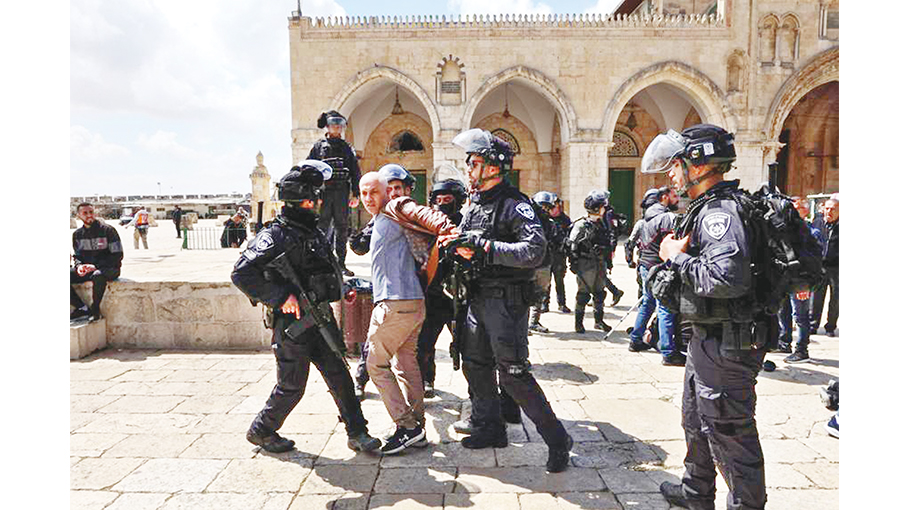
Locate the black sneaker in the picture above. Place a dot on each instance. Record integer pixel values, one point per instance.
(797, 357)
(428, 390)
(358, 392)
(603, 326)
(638, 346)
(616, 298)
(486, 439)
(558, 460)
(80, 313)
(402, 438)
(829, 333)
(272, 443)
(782, 348)
(363, 442)
(564, 309)
(538, 327)
(674, 359)
(674, 494)
(465, 426)
(347, 272)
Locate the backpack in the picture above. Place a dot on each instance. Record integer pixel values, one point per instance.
(786, 257)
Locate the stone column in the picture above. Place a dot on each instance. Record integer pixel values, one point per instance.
(446, 153)
(751, 161)
(302, 141)
(262, 183)
(584, 165)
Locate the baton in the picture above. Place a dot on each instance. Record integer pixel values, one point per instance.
(624, 316)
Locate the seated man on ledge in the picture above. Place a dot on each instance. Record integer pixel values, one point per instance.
(98, 256)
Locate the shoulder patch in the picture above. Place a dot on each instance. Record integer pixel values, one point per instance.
(264, 241)
(716, 224)
(525, 210)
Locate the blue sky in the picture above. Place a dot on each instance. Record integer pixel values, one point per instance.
(185, 93)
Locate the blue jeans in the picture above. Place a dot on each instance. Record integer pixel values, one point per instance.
(794, 310)
(665, 319)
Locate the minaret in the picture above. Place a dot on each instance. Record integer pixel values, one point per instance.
(261, 191)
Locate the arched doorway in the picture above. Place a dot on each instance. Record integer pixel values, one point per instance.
(808, 162)
(651, 111)
(517, 112)
(388, 123)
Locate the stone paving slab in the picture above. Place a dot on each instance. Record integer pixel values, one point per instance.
(164, 430)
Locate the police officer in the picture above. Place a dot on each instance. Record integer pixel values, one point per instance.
(294, 235)
(447, 196)
(588, 249)
(631, 243)
(558, 267)
(543, 203)
(341, 190)
(711, 254)
(501, 233)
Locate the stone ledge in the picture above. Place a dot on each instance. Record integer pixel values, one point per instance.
(87, 337)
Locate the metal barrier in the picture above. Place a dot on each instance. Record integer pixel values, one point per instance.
(202, 238)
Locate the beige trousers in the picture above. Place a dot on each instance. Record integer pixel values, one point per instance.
(394, 326)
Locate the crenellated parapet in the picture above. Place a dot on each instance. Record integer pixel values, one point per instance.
(508, 21)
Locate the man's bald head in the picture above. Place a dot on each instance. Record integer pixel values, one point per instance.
(373, 192)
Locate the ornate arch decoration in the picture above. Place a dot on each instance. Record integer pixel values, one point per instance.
(625, 144)
(736, 71)
(767, 39)
(545, 85)
(378, 72)
(707, 97)
(820, 70)
(406, 141)
(788, 39)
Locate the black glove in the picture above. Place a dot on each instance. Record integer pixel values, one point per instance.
(472, 240)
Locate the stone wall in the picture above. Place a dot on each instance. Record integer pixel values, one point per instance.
(179, 315)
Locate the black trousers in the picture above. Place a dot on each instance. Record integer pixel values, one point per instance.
(177, 226)
(718, 411)
(591, 283)
(832, 280)
(496, 341)
(558, 269)
(293, 358)
(336, 213)
(439, 313)
(99, 279)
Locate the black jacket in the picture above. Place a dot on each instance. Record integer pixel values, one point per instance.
(338, 148)
(99, 245)
(308, 252)
(831, 235)
(506, 217)
(658, 222)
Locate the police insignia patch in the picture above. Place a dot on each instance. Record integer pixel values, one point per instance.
(716, 224)
(264, 242)
(525, 210)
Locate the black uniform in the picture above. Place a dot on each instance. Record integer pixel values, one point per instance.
(97, 244)
(589, 247)
(176, 215)
(309, 254)
(496, 326)
(338, 190)
(440, 310)
(723, 362)
(611, 225)
(558, 264)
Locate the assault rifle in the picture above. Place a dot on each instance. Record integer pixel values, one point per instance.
(458, 286)
(311, 314)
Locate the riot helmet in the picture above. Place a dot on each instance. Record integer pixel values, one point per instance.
(595, 200)
(650, 198)
(393, 172)
(331, 118)
(452, 187)
(494, 151)
(304, 181)
(697, 145)
(545, 199)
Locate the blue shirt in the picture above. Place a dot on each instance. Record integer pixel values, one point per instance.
(393, 267)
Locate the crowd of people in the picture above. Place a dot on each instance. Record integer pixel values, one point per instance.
(485, 271)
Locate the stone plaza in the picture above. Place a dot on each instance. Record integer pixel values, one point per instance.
(154, 428)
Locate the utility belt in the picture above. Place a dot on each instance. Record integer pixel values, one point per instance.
(339, 176)
(737, 337)
(513, 293)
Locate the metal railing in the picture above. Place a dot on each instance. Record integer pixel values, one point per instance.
(202, 238)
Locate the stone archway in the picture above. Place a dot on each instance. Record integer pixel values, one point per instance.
(704, 94)
(365, 77)
(540, 82)
(820, 70)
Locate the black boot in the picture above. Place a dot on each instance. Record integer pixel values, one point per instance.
(270, 442)
(558, 460)
(599, 321)
(580, 321)
(674, 494)
(487, 437)
(616, 297)
(535, 324)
